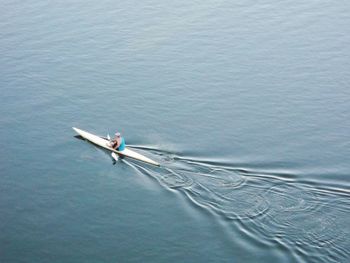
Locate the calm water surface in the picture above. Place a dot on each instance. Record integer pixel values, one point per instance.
(245, 104)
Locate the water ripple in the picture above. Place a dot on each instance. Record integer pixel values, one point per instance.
(308, 219)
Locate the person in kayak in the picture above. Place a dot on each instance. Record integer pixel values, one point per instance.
(118, 143)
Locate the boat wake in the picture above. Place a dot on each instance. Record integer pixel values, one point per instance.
(307, 219)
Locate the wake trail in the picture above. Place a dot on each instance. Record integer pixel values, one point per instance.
(272, 208)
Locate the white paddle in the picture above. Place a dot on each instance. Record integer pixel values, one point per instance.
(115, 157)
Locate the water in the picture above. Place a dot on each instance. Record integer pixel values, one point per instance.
(245, 104)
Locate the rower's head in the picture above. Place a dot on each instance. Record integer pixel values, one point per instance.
(117, 134)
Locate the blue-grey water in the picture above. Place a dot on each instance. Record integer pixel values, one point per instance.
(246, 104)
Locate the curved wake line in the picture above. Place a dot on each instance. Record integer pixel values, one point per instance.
(305, 217)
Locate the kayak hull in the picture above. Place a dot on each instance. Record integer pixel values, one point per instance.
(106, 145)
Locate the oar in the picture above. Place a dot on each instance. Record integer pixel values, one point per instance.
(114, 157)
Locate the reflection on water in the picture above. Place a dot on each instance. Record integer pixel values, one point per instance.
(308, 220)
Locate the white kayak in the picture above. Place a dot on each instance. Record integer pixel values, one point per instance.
(106, 144)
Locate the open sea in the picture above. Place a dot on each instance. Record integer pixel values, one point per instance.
(246, 105)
